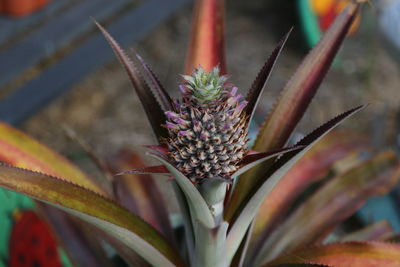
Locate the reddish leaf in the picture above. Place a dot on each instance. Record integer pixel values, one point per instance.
(315, 164)
(253, 159)
(314, 135)
(332, 204)
(261, 80)
(165, 99)
(256, 156)
(139, 193)
(294, 100)
(350, 254)
(241, 194)
(207, 46)
(160, 169)
(381, 230)
(161, 150)
(153, 110)
(301, 88)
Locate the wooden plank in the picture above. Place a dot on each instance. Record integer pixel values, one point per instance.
(55, 34)
(12, 26)
(92, 54)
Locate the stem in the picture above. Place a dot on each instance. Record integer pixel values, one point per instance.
(210, 243)
(213, 192)
(211, 246)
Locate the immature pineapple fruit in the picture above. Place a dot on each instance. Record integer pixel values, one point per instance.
(207, 128)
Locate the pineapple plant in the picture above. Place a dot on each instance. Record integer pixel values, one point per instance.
(235, 201)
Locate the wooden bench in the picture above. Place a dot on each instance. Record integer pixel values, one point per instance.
(64, 31)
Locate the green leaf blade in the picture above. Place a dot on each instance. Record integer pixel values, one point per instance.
(196, 202)
(95, 209)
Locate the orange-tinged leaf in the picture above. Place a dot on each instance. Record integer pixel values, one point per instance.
(350, 254)
(331, 204)
(294, 100)
(21, 150)
(95, 209)
(314, 165)
(207, 46)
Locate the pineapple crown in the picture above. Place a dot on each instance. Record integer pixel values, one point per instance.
(204, 87)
